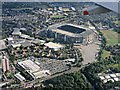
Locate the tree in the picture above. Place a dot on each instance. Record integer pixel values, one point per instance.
(50, 85)
(21, 47)
(11, 76)
(78, 64)
(8, 71)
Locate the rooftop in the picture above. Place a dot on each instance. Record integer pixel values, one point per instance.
(19, 76)
(76, 30)
(29, 65)
(16, 31)
(55, 46)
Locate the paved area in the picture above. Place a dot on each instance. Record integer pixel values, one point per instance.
(89, 53)
(2, 45)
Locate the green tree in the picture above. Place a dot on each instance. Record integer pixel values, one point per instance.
(11, 76)
(50, 85)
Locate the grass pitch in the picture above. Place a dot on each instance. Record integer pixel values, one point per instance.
(111, 36)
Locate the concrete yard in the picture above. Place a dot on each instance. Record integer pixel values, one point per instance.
(89, 53)
(2, 45)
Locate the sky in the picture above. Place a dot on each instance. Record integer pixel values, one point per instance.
(59, 0)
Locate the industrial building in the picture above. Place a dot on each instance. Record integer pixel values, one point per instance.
(70, 32)
(33, 69)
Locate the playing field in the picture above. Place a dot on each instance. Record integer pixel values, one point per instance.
(117, 22)
(57, 16)
(111, 36)
(105, 54)
(71, 29)
(17, 9)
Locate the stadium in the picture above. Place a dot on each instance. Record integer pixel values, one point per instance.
(70, 33)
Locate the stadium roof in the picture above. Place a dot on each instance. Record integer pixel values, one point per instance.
(54, 28)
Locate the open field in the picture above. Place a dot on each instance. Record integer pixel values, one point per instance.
(66, 9)
(20, 8)
(117, 66)
(57, 16)
(89, 52)
(117, 22)
(111, 36)
(105, 54)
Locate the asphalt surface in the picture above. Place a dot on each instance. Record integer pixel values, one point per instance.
(89, 53)
(2, 45)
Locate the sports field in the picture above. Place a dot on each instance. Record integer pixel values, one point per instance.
(71, 29)
(57, 16)
(105, 54)
(111, 36)
(17, 9)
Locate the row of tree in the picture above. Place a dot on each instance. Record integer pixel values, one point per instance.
(72, 80)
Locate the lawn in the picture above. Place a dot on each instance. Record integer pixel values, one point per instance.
(111, 36)
(57, 16)
(117, 66)
(0, 37)
(20, 8)
(105, 54)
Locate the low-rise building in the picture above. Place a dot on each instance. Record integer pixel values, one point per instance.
(54, 46)
(24, 36)
(5, 64)
(101, 77)
(16, 31)
(10, 39)
(19, 76)
(16, 45)
(33, 69)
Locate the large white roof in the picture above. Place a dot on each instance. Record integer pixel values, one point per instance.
(19, 76)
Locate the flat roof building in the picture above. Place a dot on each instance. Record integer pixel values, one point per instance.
(24, 36)
(16, 31)
(54, 46)
(112, 75)
(33, 69)
(10, 38)
(19, 76)
(101, 77)
(107, 76)
(5, 64)
(116, 79)
(111, 80)
(16, 45)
